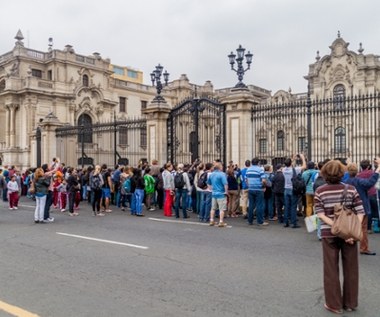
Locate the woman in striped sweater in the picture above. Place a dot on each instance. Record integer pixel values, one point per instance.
(326, 197)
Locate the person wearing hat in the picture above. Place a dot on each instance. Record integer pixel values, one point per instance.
(308, 176)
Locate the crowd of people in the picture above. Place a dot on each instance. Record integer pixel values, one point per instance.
(213, 191)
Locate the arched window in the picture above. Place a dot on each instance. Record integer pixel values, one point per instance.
(339, 94)
(85, 128)
(340, 140)
(280, 140)
(85, 81)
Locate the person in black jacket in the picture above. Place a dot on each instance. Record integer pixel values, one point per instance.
(278, 188)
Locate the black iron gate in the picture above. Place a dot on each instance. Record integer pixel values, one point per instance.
(196, 128)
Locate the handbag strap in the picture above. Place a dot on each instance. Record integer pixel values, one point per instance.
(344, 195)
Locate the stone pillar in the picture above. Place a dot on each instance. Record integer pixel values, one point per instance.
(12, 124)
(157, 113)
(48, 139)
(241, 143)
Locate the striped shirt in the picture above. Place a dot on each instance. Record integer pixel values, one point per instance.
(255, 175)
(327, 196)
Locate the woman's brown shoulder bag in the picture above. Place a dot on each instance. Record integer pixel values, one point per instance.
(346, 223)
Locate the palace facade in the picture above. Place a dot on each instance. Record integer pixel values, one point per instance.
(44, 92)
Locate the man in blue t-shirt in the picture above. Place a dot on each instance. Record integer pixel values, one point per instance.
(244, 189)
(256, 183)
(217, 182)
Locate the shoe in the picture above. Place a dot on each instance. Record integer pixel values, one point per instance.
(151, 209)
(348, 309)
(273, 219)
(286, 225)
(123, 209)
(100, 214)
(245, 217)
(296, 226)
(51, 219)
(63, 210)
(108, 211)
(140, 215)
(222, 224)
(15, 208)
(335, 311)
(212, 223)
(186, 217)
(263, 224)
(36, 221)
(10, 208)
(368, 253)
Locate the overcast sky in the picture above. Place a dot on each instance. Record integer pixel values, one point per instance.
(194, 37)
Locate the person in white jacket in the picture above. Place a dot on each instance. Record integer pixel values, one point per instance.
(13, 192)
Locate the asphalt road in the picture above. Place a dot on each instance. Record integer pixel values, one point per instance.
(122, 265)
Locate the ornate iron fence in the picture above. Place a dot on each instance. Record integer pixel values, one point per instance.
(332, 128)
(118, 142)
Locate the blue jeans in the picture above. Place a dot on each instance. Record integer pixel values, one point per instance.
(205, 207)
(133, 204)
(269, 205)
(290, 207)
(180, 193)
(139, 196)
(256, 200)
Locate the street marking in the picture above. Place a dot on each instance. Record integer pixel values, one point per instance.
(102, 240)
(15, 311)
(184, 222)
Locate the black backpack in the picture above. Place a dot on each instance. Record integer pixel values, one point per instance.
(319, 181)
(299, 186)
(202, 181)
(179, 182)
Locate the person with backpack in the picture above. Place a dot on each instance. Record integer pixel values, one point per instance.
(268, 194)
(206, 194)
(292, 187)
(182, 189)
(308, 176)
(125, 187)
(138, 181)
(278, 188)
(106, 188)
(233, 193)
(150, 183)
(96, 184)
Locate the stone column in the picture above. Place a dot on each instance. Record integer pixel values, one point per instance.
(157, 113)
(48, 139)
(12, 123)
(241, 143)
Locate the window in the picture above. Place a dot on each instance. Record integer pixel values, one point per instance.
(118, 70)
(2, 85)
(262, 145)
(132, 74)
(36, 73)
(301, 144)
(123, 136)
(339, 94)
(143, 140)
(50, 75)
(85, 81)
(122, 104)
(85, 128)
(144, 104)
(280, 140)
(340, 140)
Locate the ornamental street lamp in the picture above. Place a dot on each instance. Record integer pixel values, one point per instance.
(239, 58)
(155, 76)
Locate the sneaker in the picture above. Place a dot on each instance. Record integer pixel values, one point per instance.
(51, 219)
(10, 208)
(263, 224)
(36, 221)
(108, 211)
(273, 219)
(296, 226)
(222, 224)
(123, 209)
(63, 210)
(100, 214)
(15, 208)
(151, 209)
(212, 223)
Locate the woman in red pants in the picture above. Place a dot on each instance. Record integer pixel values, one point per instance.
(168, 179)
